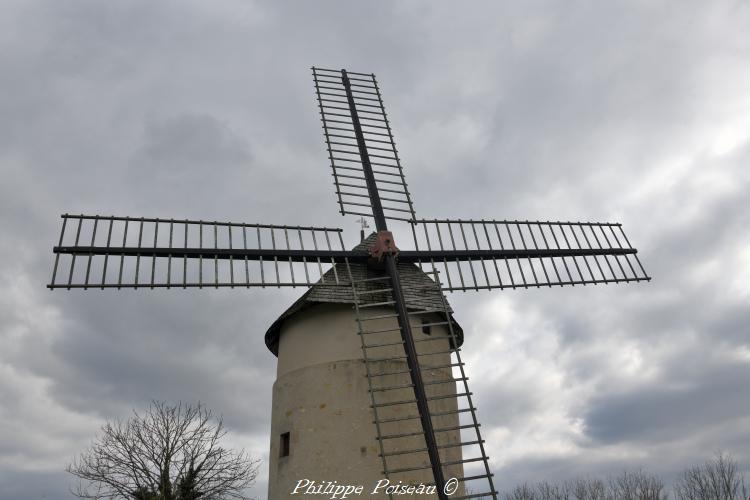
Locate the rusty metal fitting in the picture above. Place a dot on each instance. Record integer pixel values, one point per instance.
(383, 244)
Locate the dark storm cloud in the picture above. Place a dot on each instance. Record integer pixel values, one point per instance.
(650, 413)
(550, 111)
(111, 353)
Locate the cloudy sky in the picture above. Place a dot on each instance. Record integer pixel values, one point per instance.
(637, 112)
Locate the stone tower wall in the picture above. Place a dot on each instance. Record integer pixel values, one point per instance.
(321, 399)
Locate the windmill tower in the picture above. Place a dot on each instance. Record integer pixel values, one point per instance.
(333, 385)
(370, 382)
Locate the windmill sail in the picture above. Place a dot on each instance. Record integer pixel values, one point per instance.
(96, 251)
(346, 98)
(497, 254)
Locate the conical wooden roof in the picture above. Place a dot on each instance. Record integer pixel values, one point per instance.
(420, 291)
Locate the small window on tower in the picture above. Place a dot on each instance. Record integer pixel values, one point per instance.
(426, 328)
(284, 445)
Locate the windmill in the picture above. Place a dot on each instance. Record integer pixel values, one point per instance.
(419, 409)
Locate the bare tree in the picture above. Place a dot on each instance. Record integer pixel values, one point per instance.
(636, 486)
(521, 492)
(550, 491)
(627, 486)
(166, 453)
(545, 490)
(717, 479)
(588, 489)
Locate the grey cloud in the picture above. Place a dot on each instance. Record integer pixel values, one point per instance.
(204, 350)
(184, 143)
(715, 398)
